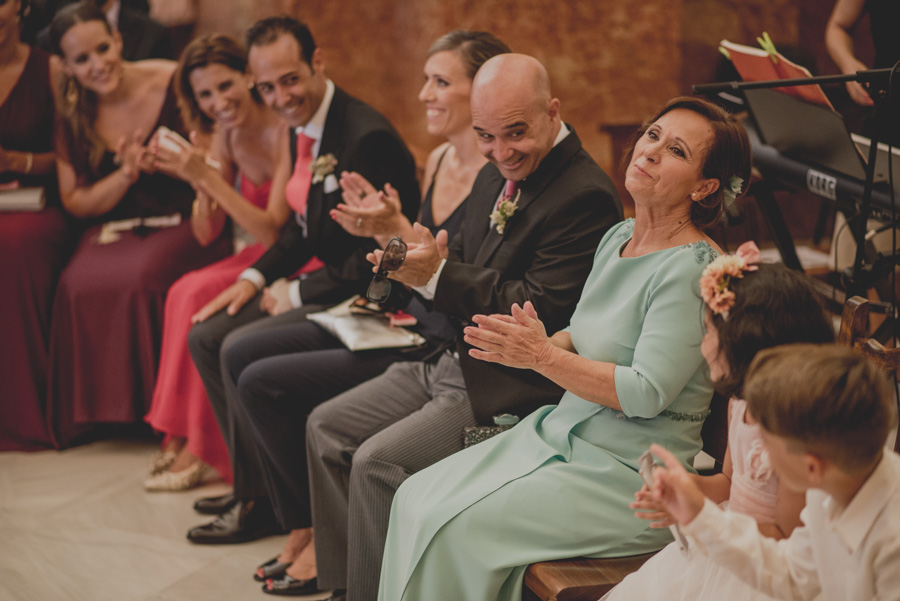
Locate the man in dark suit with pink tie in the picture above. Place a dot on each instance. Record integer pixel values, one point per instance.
(331, 132)
(536, 213)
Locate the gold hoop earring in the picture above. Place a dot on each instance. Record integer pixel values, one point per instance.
(71, 92)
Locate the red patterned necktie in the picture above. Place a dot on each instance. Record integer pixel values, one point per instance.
(297, 188)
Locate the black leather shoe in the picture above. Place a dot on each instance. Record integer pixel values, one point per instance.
(215, 505)
(246, 521)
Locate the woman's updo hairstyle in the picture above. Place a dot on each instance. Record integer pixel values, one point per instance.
(474, 47)
(213, 49)
(73, 14)
(772, 306)
(727, 157)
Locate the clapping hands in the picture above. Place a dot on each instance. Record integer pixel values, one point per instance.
(133, 157)
(516, 340)
(367, 212)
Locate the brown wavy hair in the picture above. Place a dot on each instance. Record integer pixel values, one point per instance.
(772, 306)
(213, 49)
(79, 106)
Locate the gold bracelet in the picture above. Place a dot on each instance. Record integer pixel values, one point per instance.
(29, 161)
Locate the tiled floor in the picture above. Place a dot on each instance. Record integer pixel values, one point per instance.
(76, 525)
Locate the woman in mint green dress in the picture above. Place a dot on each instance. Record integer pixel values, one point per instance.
(559, 483)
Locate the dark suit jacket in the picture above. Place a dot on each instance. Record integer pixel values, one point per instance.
(364, 141)
(544, 256)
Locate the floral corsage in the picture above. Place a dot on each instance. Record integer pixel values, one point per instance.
(322, 166)
(733, 189)
(506, 208)
(715, 282)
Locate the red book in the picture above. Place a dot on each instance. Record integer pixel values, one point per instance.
(757, 64)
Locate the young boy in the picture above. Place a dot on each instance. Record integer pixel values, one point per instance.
(825, 414)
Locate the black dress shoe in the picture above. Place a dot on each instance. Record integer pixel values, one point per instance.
(215, 505)
(246, 521)
(287, 586)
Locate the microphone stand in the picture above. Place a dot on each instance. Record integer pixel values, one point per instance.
(879, 81)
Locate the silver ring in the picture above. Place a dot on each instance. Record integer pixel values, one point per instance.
(358, 221)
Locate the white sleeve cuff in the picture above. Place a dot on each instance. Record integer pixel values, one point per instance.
(294, 294)
(254, 277)
(427, 291)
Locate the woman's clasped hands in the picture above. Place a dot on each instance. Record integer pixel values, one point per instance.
(516, 340)
(133, 157)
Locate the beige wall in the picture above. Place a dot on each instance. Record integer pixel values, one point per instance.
(611, 62)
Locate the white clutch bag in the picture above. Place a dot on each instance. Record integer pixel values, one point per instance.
(363, 332)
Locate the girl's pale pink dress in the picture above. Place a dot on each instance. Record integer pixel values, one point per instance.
(670, 574)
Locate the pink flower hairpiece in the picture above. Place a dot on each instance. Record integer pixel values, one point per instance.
(715, 282)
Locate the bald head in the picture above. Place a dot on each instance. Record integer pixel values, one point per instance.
(519, 75)
(514, 116)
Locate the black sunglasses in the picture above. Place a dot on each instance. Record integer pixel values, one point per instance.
(391, 260)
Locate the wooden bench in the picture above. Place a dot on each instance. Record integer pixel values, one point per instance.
(583, 579)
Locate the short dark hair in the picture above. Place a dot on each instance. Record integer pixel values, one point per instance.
(213, 49)
(69, 16)
(266, 31)
(474, 47)
(728, 155)
(826, 400)
(772, 306)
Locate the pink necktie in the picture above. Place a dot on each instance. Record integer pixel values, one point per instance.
(509, 192)
(297, 188)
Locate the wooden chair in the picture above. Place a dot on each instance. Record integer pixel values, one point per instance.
(854, 333)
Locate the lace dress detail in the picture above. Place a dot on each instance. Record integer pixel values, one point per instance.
(703, 252)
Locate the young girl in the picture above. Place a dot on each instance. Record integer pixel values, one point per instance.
(750, 307)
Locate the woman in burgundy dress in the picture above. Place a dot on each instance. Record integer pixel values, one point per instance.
(217, 101)
(33, 244)
(137, 240)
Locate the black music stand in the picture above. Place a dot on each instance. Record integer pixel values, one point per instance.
(879, 82)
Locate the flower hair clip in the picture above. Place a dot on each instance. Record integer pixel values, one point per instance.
(734, 188)
(715, 282)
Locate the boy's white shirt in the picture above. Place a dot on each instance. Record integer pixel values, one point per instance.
(836, 555)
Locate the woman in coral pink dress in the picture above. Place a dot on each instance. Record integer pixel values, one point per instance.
(244, 138)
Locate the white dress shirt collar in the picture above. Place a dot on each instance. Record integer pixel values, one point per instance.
(316, 126)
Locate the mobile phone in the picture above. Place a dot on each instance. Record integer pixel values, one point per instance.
(646, 465)
(171, 140)
(175, 142)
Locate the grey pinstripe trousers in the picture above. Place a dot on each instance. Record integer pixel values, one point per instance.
(361, 445)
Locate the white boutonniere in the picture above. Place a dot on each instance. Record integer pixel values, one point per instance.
(506, 209)
(322, 166)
